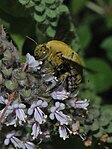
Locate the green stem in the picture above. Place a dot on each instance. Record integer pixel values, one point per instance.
(95, 8)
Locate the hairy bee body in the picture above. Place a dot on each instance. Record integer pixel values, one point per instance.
(56, 50)
(64, 60)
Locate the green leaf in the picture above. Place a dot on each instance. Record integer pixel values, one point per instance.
(100, 133)
(30, 4)
(102, 76)
(24, 2)
(7, 55)
(50, 31)
(95, 126)
(54, 24)
(62, 9)
(77, 5)
(40, 8)
(39, 18)
(11, 85)
(51, 13)
(49, 1)
(7, 72)
(25, 93)
(1, 79)
(106, 109)
(19, 40)
(107, 46)
(85, 35)
(104, 121)
(19, 75)
(109, 129)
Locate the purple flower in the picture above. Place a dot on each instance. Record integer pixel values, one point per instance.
(35, 109)
(32, 62)
(14, 140)
(29, 145)
(49, 77)
(82, 104)
(36, 130)
(3, 100)
(58, 114)
(60, 94)
(20, 116)
(64, 132)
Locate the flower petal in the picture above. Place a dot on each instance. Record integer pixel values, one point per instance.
(63, 132)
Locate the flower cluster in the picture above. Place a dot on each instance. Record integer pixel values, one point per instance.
(33, 99)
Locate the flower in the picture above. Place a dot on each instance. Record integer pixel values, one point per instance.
(75, 127)
(14, 140)
(63, 131)
(32, 62)
(19, 116)
(82, 104)
(35, 109)
(36, 130)
(58, 114)
(3, 100)
(77, 103)
(29, 145)
(60, 94)
(49, 78)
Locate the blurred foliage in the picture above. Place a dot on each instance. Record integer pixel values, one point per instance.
(52, 19)
(94, 27)
(33, 18)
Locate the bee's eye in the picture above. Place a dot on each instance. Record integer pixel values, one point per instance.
(41, 52)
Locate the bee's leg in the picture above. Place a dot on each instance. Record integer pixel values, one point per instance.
(56, 59)
(63, 78)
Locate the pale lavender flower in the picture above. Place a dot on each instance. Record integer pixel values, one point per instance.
(32, 62)
(64, 132)
(35, 109)
(58, 114)
(3, 100)
(1, 111)
(20, 116)
(29, 145)
(60, 94)
(49, 77)
(78, 103)
(14, 140)
(72, 101)
(82, 104)
(36, 130)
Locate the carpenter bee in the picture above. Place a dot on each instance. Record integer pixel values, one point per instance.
(65, 62)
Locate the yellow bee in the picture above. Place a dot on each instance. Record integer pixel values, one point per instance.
(62, 58)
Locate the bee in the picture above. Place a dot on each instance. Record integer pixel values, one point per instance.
(63, 59)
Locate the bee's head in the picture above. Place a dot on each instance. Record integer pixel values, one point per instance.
(41, 51)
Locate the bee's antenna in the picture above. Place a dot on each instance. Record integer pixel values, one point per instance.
(31, 39)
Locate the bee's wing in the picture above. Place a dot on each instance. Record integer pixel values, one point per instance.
(78, 66)
(63, 30)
